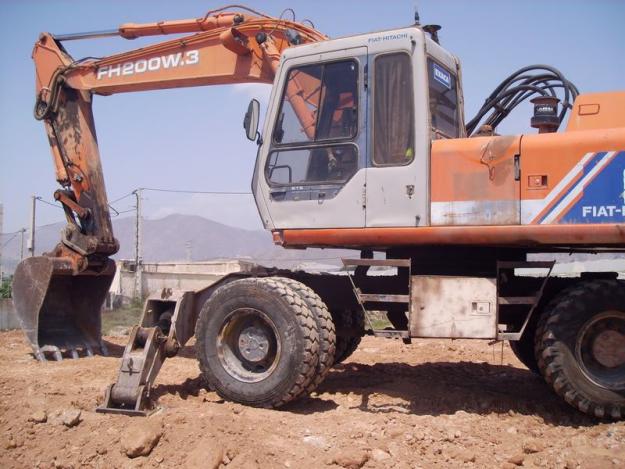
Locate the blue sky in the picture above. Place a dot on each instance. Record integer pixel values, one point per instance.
(192, 138)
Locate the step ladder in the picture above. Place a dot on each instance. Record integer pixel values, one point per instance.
(379, 298)
(529, 301)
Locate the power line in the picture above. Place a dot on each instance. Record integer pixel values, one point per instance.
(10, 239)
(38, 227)
(126, 211)
(39, 199)
(122, 197)
(10, 232)
(119, 212)
(183, 191)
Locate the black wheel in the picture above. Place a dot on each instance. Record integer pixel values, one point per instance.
(580, 346)
(347, 343)
(257, 342)
(523, 348)
(325, 328)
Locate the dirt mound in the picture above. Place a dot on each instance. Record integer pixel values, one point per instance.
(433, 403)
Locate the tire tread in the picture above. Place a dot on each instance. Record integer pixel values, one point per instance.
(306, 323)
(562, 310)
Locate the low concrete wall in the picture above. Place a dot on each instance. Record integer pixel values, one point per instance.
(176, 275)
(8, 319)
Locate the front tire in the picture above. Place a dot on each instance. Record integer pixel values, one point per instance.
(580, 346)
(257, 342)
(325, 328)
(347, 343)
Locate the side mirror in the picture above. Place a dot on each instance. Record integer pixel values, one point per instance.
(250, 122)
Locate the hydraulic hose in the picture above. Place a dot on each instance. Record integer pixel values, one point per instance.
(542, 80)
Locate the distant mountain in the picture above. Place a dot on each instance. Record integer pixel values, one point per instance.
(190, 237)
(187, 237)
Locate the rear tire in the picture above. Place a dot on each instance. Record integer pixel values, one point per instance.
(325, 328)
(524, 348)
(580, 346)
(346, 345)
(257, 342)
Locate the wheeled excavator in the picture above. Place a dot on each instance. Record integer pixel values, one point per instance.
(364, 146)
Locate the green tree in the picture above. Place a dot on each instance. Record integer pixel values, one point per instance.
(5, 288)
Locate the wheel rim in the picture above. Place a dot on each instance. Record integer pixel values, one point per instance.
(248, 345)
(600, 350)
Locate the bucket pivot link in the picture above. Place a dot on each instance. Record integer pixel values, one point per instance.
(143, 357)
(166, 325)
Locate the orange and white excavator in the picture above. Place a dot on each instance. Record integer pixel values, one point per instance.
(364, 146)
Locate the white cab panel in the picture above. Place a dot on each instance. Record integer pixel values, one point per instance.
(398, 195)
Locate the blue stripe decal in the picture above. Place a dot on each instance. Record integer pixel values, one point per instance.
(602, 200)
(591, 164)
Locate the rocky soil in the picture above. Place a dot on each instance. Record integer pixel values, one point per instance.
(435, 403)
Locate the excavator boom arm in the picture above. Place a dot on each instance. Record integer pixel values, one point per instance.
(63, 290)
(226, 48)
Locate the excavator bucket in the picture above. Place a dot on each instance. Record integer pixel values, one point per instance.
(60, 313)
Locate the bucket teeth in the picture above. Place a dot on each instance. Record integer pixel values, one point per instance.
(53, 350)
(74, 351)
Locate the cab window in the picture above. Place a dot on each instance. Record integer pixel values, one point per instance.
(443, 100)
(320, 102)
(393, 110)
(313, 136)
(326, 164)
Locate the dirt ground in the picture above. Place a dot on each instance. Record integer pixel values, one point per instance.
(433, 403)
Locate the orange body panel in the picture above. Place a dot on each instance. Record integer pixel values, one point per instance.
(593, 111)
(517, 236)
(480, 168)
(472, 181)
(554, 155)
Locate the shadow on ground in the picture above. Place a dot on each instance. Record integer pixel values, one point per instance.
(447, 387)
(441, 388)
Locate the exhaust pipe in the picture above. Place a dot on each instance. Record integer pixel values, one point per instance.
(60, 311)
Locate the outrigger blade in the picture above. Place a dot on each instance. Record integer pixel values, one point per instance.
(61, 312)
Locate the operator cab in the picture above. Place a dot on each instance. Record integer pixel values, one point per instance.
(347, 137)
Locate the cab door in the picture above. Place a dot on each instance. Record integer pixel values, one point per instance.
(313, 171)
(397, 172)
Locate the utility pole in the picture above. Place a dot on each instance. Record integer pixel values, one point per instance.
(22, 231)
(189, 250)
(31, 241)
(138, 293)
